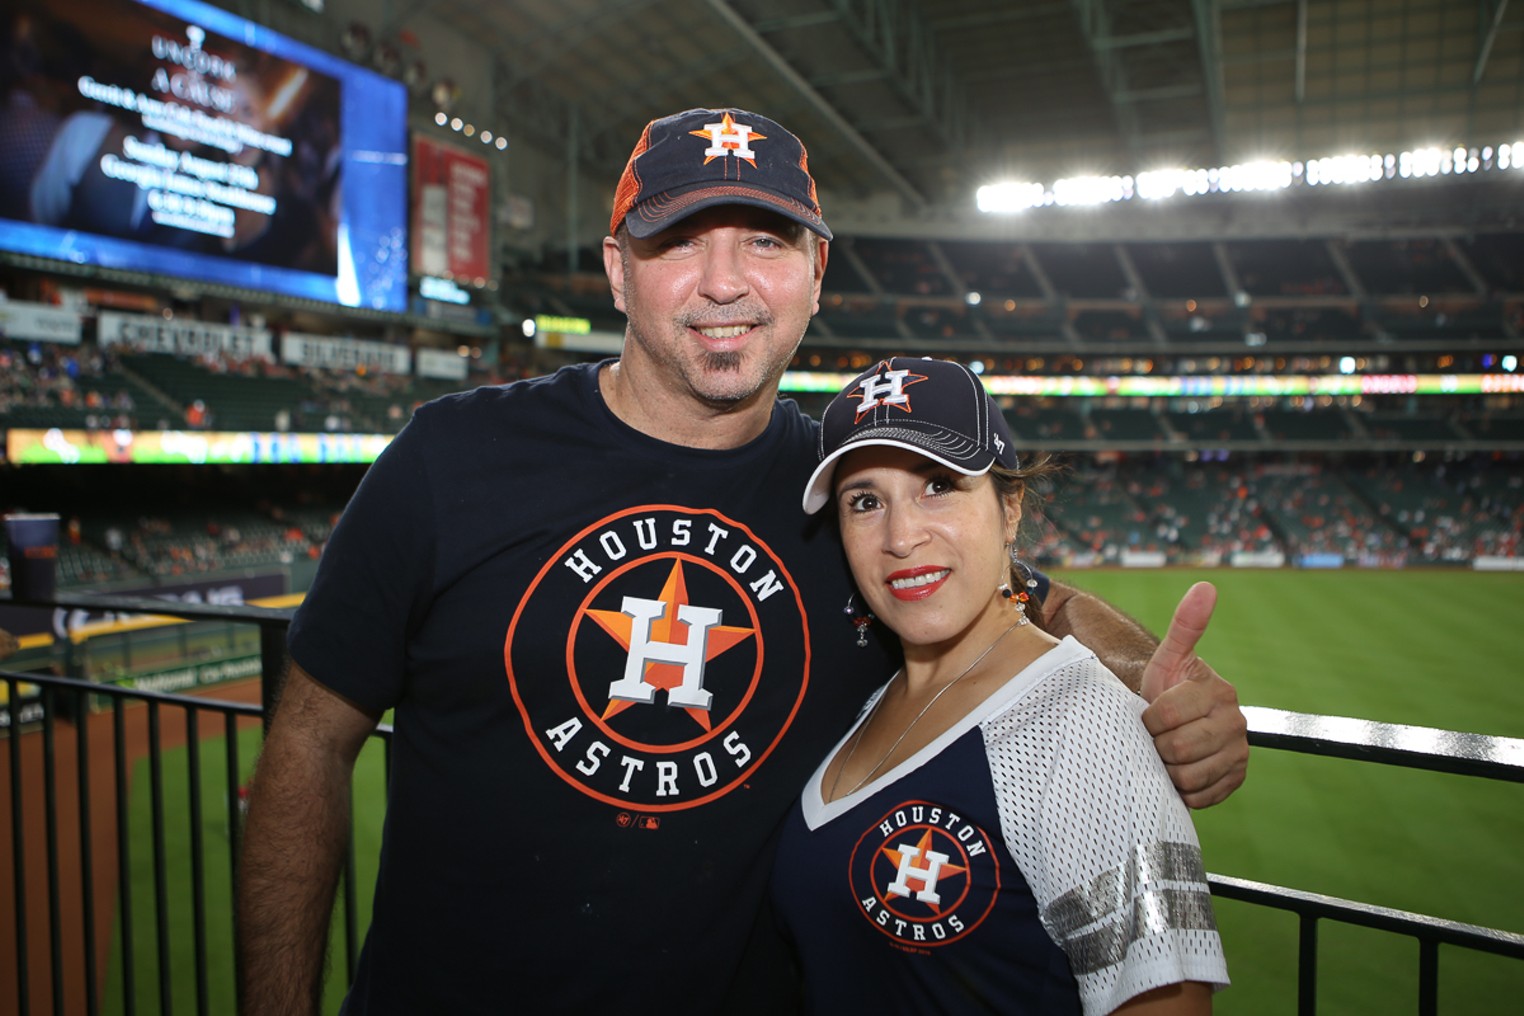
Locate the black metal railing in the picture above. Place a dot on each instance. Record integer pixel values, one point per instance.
(65, 906)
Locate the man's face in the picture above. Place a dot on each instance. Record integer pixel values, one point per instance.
(718, 303)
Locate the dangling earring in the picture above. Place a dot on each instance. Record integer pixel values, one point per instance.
(1026, 569)
(1020, 597)
(861, 621)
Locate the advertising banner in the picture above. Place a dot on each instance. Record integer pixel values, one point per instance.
(41, 322)
(331, 353)
(451, 208)
(444, 364)
(150, 334)
(199, 447)
(61, 621)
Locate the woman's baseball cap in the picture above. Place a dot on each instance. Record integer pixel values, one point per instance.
(935, 408)
(704, 157)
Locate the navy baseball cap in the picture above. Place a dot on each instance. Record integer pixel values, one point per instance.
(935, 408)
(704, 157)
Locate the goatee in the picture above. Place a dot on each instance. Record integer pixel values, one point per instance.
(723, 361)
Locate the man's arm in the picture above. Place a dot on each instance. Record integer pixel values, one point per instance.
(1123, 644)
(1193, 713)
(294, 840)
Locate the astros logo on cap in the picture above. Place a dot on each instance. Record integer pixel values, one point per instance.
(665, 615)
(923, 875)
(886, 388)
(729, 138)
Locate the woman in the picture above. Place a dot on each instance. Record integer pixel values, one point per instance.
(996, 832)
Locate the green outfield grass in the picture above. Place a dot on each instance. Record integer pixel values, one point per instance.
(1432, 648)
(179, 891)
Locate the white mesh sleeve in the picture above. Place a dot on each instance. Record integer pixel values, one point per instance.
(1104, 840)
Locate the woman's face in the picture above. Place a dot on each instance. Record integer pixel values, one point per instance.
(927, 545)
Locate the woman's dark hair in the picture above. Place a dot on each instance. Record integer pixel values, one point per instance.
(1029, 485)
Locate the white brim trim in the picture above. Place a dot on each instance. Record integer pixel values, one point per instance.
(817, 492)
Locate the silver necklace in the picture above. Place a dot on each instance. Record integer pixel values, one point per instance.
(1021, 620)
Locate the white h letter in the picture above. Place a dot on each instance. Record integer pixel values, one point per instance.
(927, 876)
(888, 388)
(736, 141)
(690, 655)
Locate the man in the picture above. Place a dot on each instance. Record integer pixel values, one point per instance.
(614, 644)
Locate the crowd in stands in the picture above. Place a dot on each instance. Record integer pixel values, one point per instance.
(84, 387)
(967, 294)
(1306, 510)
(45, 385)
(191, 522)
(1303, 510)
(44, 381)
(1164, 298)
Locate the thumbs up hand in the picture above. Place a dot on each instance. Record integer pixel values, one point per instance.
(1193, 713)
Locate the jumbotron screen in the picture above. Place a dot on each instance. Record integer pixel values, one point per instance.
(174, 138)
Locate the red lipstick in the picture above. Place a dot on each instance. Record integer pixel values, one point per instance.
(919, 591)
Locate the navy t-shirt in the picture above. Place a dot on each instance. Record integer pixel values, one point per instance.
(614, 662)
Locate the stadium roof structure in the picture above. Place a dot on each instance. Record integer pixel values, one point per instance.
(925, 100)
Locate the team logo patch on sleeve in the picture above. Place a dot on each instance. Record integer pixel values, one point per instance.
(923, 875)
(670, 620)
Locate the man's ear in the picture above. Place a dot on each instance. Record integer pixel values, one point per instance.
(822, 250)
(613, 267)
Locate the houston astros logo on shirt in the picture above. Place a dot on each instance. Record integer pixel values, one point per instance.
(667, 615)
(924, 875)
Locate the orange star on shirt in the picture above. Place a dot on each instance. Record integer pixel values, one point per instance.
(668, 628)
(730, 138)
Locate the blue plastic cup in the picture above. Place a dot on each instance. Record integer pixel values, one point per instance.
(33, 551)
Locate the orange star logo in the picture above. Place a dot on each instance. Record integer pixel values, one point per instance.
(919, 884)
(668, 628)
(730, 139)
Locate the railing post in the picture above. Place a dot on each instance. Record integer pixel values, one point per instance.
(50, 831)
(1307, 967)
(18, 849)
(1428, 977)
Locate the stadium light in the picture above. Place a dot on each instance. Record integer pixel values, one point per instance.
(1256, 175)
(1009, 197)
(1091, 190)
(1264, 175)
(1156, 184)
(1344, 169)
(1420, 162)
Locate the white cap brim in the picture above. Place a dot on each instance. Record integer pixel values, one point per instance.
(817, 492)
